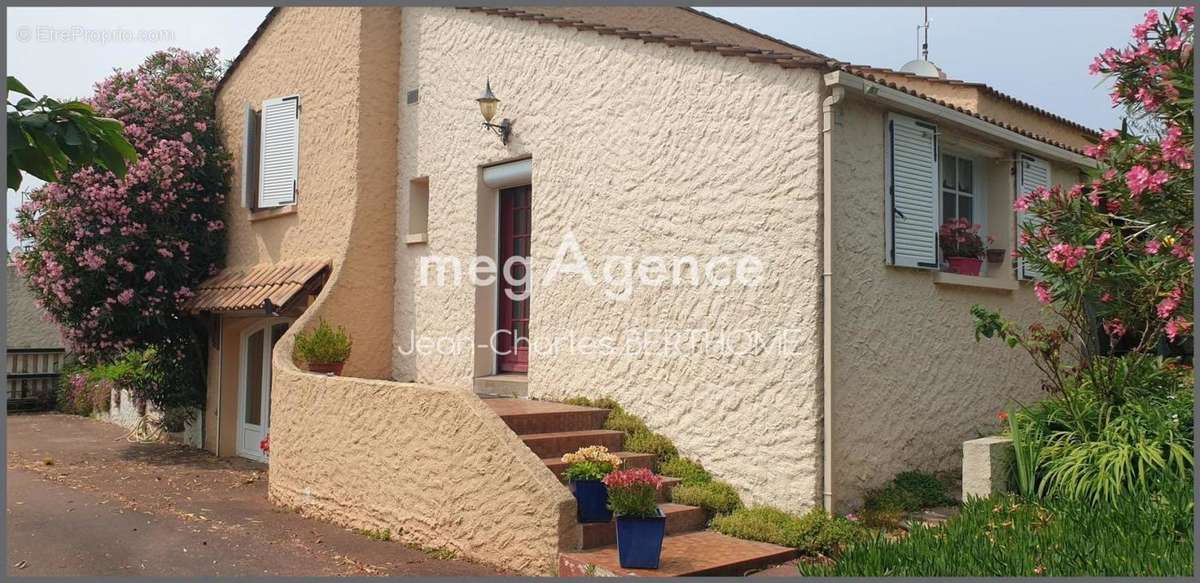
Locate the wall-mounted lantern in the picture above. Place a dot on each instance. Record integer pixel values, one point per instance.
(487, 106)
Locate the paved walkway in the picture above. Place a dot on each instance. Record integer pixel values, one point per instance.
(84, 501)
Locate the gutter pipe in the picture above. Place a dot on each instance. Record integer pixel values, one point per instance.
(836, 94)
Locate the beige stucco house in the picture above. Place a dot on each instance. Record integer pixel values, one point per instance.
(363, 170)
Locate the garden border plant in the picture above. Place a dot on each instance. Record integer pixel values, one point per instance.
(825, 534)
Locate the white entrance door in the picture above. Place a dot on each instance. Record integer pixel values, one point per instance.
(254, 387)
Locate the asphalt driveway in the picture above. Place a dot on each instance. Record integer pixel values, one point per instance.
(82, 500)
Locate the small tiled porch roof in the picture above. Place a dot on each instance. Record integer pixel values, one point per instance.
(249, 288)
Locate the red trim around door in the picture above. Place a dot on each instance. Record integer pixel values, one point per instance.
(512, 341)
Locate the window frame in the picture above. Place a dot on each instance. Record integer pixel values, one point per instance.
(978, 196)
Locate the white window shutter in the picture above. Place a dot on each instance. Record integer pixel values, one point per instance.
(912, 208)
(1032, 174)
(280, 160)
(250, 153)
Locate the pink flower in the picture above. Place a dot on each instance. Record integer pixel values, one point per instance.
(150, 275)
(1115, 328)
(1102, 239)
(1177, 328)
(1066, 256)
(1138, 180)
(91, 260)
(125, 297)
(1153, 246)
(1043, 292)
(1170, 303)
(631, 478)
(1106, 297)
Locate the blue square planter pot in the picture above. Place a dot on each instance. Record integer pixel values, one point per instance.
(591, 498)
(639, 541)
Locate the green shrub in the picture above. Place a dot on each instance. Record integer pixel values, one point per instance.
(1085, 447)
(323, 345)
(578, 401)
(813, 533)
(1136, 534)
(891, 498)
(926, 489)
(716, 497)
(653, 443)
(910, 491)
(619, 420)
(689, 472)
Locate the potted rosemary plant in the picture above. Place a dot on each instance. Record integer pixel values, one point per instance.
(323, 349)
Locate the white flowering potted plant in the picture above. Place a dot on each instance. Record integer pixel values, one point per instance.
(585, 470)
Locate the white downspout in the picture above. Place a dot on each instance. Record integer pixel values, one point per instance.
(827, 121)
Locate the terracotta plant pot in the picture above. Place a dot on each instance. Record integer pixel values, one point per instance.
(995, 255)
(965, 265)
(334, 368)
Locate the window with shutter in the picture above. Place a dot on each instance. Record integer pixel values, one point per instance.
(912, 209)
(1032, 174)
(250, 153)
(279, 166)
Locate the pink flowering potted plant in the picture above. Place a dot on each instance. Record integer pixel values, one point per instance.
(962, 246)
(641, 525)
(585, 470)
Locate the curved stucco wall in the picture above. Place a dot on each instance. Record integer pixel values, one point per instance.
(434, 465)
(28, 326)
(638, 149)
(910, 382)
(321, 55)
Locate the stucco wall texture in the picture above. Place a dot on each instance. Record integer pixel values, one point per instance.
(638, 149)
(434, 465)
(27, 325)
(910, 382)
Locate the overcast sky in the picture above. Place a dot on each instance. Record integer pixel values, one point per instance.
(1039, 55)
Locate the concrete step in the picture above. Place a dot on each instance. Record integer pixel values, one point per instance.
(688, 554)
(669, 483)
(628, 459)
(526, 416)
(680, 518)
(548, 445)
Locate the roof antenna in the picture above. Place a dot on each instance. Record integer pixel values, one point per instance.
(924, 45)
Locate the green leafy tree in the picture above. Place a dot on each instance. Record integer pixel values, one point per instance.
(47, 137)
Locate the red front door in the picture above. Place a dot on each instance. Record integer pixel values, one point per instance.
(512, 339)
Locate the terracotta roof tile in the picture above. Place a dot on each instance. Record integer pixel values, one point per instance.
(246, 288)
(885, 82)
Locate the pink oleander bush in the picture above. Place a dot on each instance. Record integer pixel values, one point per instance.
(112, 260)
(1114, 254)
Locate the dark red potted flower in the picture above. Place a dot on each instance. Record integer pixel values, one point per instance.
(961, 246)
(323, 349)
